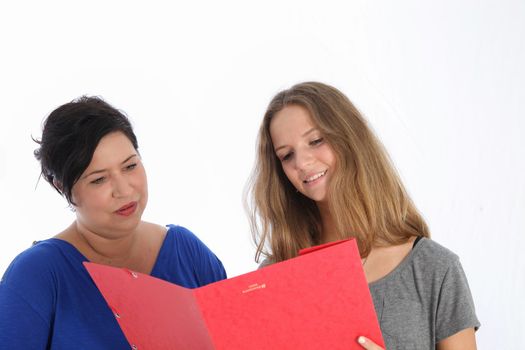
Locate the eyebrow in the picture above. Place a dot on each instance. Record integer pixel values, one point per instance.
(103, 170)
(303, 135)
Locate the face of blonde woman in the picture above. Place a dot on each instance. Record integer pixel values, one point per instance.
(307, 159)
(112, 193)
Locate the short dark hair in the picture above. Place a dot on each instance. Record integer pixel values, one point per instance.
(70, 136)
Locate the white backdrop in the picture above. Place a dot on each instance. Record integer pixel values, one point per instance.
(440, 81)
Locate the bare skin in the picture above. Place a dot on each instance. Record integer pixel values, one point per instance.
(137, 251)
(383, 260)
(109, 199)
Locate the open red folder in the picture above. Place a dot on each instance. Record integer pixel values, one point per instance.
(318, 300)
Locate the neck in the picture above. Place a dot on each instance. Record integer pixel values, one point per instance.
(114, 251)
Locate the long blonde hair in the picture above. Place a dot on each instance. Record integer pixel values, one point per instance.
(366, 197)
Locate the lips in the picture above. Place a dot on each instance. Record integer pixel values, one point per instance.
(314, 177)
(127, 209)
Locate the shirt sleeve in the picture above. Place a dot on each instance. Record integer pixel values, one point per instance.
(455, 310)
(26, 299)
(21, 326)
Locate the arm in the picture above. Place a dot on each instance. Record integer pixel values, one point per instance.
(27, 302)
(456, 319)
(21, 326)
(462, 340)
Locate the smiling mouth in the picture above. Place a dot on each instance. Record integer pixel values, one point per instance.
(315, 177)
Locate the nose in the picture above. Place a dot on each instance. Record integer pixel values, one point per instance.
(303, 159)
(121, 187)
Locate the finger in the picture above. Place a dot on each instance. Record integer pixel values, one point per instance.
(368, 344)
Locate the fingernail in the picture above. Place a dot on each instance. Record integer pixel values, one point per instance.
(361, 340)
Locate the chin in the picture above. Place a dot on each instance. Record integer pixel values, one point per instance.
(130, 224)
(317, 199)
(320, 198)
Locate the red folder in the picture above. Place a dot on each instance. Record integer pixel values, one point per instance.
(318, 300)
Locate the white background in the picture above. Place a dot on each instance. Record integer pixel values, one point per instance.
(442, 83)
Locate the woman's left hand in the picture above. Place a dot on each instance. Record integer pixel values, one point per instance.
(368, 344)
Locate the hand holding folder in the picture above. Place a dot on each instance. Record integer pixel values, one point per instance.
(318, 300)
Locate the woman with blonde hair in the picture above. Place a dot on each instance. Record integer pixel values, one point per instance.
(322, 175)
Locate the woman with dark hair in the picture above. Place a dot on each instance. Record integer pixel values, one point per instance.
(321, 175)
(89, 154)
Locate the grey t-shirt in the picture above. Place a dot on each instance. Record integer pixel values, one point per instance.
(425, 299)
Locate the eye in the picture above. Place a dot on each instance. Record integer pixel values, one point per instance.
(98, 181)
(317, 141)
(131, 166)
(286, 157)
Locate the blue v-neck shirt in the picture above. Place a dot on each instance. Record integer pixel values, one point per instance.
(49, 301)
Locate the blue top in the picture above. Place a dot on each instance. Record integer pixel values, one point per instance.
(49, 301)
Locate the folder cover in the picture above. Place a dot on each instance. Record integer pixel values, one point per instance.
(318, 300)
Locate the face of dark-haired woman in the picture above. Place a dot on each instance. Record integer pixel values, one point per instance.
(112, 193)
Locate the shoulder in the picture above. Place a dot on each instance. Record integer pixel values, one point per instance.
(183, 238)
(35, 264)
(428, 253)
(454, 308)
(181, 232)
(189, 251)
(186, 243)
(440, 259)
(439, 268)
(424, 268)
(32, 279)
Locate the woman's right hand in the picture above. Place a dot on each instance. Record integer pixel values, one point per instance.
(368, 344)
